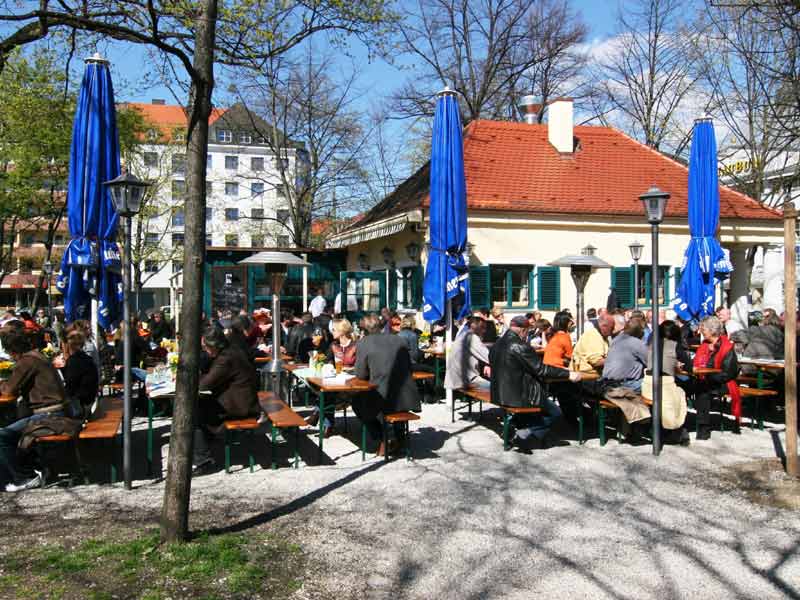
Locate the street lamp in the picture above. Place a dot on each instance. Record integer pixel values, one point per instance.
(581, 266)
(412, 249)
(655, 201)
(636, 254)
(126, 193)
(276, 264)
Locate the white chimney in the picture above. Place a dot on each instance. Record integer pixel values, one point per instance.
(559, 125)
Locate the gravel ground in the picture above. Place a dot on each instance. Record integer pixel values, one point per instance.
(467, 520)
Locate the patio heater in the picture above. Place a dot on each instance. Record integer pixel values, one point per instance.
(581, 266)
(655, 202)
(276, 264)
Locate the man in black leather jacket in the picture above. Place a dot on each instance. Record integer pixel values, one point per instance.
(517, 379)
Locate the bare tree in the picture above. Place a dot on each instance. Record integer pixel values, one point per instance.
(310, 124)
(472, 46)
(186, 33)
(648, 73)
(556, 38)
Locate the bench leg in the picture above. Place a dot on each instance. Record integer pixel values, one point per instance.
(227, 451)
(580, 425)
(408, 442)
(506, 423)
(601, 424)
(150, 436)
(273, 433)
(250, 458)
(385, 442)
(321, 423)
(363, 443)
(453, 410)
(296, 444)
(114, 448)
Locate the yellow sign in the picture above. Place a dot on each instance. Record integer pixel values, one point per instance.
(737, 168)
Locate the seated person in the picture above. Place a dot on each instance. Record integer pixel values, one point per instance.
(589, 354)
(673, 399)
(343, 348)
(232, 381)
(319, 342)
(78, 373)
(409, 335)
(237, 338)
(297, 334)
(140, 348)
(467, 354)
(558, 351)
(627, 358)
(39, 385)
(716, 351)
(383, 359)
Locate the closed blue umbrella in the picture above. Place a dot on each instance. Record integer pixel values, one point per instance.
(705, 262)
(90, 265)
(446, 271)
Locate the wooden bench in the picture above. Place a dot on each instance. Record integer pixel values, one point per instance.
(104, 424)
(481, 395)
(390, 419)
(604, 405)
(756, 394)
(232, 428)
(281, 416)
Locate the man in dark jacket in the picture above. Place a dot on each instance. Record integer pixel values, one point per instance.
(382, 359)
(229, 389)
(298, 333)
(518, 375)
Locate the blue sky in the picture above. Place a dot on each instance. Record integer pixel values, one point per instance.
(129, 62)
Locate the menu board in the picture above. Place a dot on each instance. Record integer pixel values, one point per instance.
(228, 289)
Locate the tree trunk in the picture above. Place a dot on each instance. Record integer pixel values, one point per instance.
(177, 490)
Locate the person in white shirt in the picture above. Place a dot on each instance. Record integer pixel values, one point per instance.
(731, 326)
(318, 304)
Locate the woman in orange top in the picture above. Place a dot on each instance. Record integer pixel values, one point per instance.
(558, 351)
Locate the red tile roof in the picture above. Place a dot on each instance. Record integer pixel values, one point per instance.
(512, 167)
(168, 116)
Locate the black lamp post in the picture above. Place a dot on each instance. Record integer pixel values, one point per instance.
(655, 202)
(412, 250)
(581, 266)
(636, 254)
(126, 193)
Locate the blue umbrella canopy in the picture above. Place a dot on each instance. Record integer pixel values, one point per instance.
(446, 271)
(704, 262)
(90, 265)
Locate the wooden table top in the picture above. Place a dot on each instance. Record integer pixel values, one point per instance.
(436, 353)
(260, 360)
(7, 399)
(761, 364)
(351, 385)
(584, 377)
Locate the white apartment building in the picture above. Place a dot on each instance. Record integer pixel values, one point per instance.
(247, 202)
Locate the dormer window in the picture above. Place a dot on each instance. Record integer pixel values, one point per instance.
(152, 135)
(224, 136)
(245, 138)
(179, 135)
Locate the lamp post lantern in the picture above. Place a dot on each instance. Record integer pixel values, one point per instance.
(581, 266)
(655, 202)
(636, 255)
(126, 193)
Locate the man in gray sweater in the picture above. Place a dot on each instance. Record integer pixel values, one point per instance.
(466, 356)
(627, 357)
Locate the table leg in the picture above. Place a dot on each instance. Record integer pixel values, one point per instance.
(272, 439)
(321, 422)
(149, 436)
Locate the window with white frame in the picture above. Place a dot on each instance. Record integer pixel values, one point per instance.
(224, 136)
(231, 188)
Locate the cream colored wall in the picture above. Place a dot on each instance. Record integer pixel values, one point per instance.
(508, 239)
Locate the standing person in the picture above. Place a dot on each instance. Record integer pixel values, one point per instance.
(466, 356)
(232, 382)
(160, 328)
(518, 375)
(383, 360)
(318, 304)
(39, 385)
(716, 351)
(589, 354)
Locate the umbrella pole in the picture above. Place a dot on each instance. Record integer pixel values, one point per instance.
(448, 342)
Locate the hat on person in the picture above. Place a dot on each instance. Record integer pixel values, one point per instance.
(520, 321)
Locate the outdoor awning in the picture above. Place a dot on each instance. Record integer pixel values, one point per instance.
(374, 231)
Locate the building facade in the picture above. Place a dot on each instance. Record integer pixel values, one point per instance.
(248, 205)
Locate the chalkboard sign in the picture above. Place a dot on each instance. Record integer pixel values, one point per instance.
(228, 289)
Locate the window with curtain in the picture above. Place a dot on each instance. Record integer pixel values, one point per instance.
(511, 285)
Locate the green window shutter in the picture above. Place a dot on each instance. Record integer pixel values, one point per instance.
(393, 289)
(549, 290)
(417, 276)
(480, 287)
(676, 277)
(622, 282)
